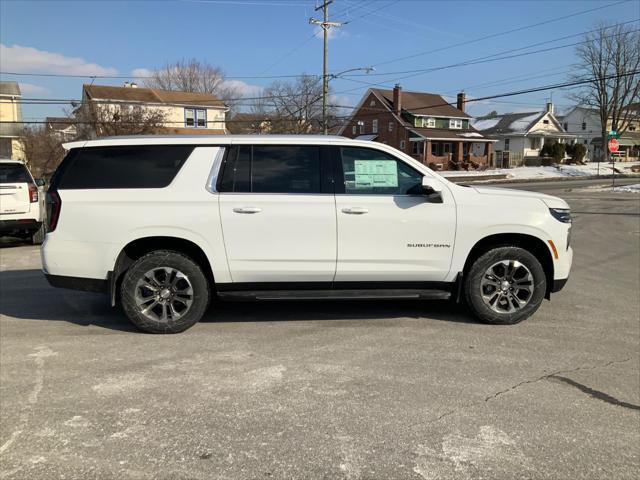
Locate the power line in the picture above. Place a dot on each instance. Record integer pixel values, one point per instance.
(498, 34)
(376, 111)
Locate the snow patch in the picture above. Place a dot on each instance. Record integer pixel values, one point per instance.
(523, 123)
(485, 124)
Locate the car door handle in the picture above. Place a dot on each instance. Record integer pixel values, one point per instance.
(247, 210)
(355, 210)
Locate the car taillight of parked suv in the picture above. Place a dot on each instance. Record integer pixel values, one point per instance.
(165, 225)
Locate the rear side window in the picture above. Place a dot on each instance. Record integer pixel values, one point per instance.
(272, 169)
(14, 173)
(134, 166)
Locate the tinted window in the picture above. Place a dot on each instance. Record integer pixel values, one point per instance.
(272, 169)
(14, 173)
(367, 171)
(135, 166)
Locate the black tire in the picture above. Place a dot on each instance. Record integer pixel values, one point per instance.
(38, 237)
(178, 321)
(473, 289)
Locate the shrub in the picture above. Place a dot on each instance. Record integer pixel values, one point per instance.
(577, 152)
(554, 150)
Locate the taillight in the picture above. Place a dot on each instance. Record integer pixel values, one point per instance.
(54, 205)
(33, 193)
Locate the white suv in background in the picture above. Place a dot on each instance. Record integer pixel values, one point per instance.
(166, 224)
(21, 202)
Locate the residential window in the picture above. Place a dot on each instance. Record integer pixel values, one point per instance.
(455, 123)
(374, 126)
(545, 121)
(361, 127)
(584, 125)
(586, 142)
(354, 130)
(391, 124)
(506, 144)
(402, 145)
(566, 126)
(201, 118)
(632, 128)
(446, 148)
(431, 123)
(195, 117)
(189, 117)
(372, 103)
(371, 172)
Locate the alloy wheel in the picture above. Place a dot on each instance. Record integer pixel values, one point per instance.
(507, 286)
(164, 294)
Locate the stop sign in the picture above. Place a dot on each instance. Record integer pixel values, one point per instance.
(613, 145)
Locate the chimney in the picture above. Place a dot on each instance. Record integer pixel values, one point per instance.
(461, 99)
(397, 99)
(126, 84)
(134, 85)
(550, 107)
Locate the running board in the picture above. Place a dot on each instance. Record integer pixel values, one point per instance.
(335, 294)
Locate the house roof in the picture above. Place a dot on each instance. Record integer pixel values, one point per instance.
(60, 123)
(514, 123)
(421, 103)
(152, 95)
(10, 88)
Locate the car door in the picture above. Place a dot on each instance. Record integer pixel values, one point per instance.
(388, 231)
(277, 210)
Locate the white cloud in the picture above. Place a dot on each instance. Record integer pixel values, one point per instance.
(244, 89)
(141, 72)
(17, 58)
(31, 89)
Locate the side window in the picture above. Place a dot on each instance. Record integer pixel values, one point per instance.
(272, 169)
(372, 172)
(133, 166)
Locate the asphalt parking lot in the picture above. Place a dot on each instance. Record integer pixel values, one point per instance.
(355, 390)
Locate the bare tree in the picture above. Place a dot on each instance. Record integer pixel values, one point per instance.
(96, 120)
(43, 151)
(611, 56)
(296, 105)
(195, 76)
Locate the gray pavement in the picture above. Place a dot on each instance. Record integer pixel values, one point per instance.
(355, 390)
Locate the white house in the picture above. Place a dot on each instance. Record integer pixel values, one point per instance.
(584, 123)
(521, 135)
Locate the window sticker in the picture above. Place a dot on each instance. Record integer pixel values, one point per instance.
(376, 173)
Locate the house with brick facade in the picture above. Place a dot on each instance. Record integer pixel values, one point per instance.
(422, 125)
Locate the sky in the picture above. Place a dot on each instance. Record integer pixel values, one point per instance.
(254, 39)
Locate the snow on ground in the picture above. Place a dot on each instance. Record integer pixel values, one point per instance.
(590, 169)
(607, 188)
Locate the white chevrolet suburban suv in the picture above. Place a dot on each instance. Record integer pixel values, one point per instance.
(166, 224)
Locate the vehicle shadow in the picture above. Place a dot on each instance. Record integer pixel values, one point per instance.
(11, 242)
(26, 295)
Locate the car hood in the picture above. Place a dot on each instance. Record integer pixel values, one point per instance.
(549, 200)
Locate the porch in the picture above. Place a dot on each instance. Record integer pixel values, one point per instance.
(452, 155)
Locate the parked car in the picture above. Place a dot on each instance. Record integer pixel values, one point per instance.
(21, 202)
(166, 224)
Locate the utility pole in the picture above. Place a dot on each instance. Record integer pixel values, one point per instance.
(326, 25)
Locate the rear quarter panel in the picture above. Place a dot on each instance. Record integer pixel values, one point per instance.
(96, 224)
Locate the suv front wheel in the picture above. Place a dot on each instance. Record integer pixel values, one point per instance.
(505, 286)
(164, 292)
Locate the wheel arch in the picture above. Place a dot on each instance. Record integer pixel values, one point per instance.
(531, 243)
(139, 247)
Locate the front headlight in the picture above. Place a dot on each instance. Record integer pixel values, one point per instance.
(561, 214)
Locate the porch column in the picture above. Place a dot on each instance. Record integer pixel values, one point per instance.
(488, 151)
(459, 152)
(427, 152)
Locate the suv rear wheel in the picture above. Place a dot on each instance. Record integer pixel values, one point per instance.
(505, 286)
(164, 292)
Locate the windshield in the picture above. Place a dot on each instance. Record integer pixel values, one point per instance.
(14, 173)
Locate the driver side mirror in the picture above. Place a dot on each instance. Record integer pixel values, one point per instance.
(431, 188)
(39, 182)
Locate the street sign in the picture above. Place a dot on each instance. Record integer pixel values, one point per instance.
(613, 134)
(613, 145)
